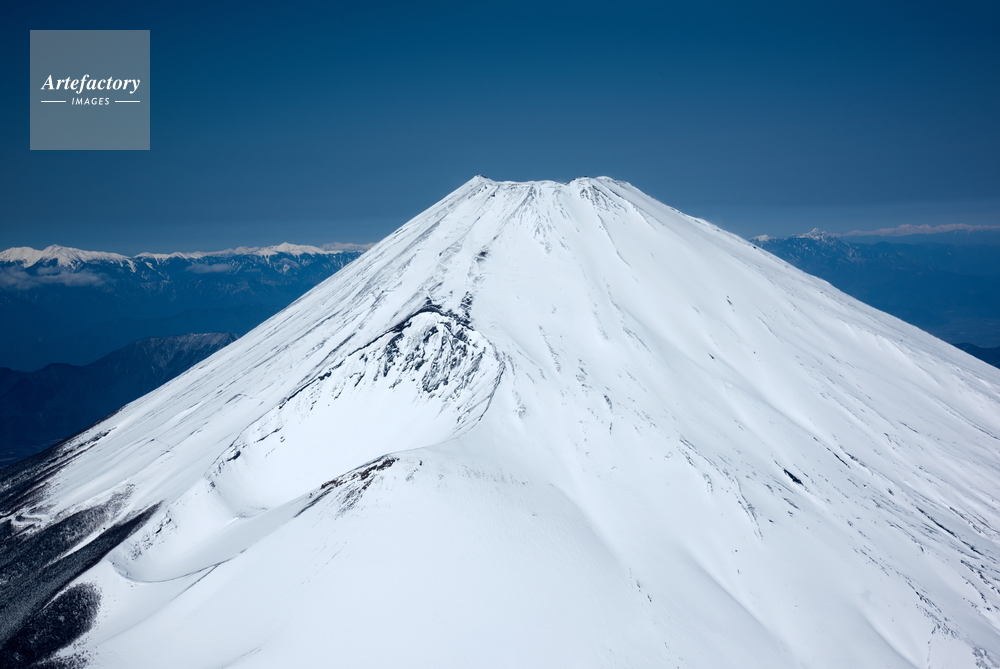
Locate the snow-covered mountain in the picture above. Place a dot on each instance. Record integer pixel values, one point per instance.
(541, 424)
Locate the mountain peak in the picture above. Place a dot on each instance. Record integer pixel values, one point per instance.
(818, 235)
(479, 180)
(543, 423)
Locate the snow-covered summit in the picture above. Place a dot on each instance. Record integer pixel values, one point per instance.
(815, 234)
(541, 424)
(818, 235)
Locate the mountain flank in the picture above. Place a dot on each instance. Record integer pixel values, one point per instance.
(540, 425)
(38, 409)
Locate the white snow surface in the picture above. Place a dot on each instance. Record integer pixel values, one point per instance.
(618, 437)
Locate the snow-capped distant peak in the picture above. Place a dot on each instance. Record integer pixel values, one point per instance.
(62, 255)
(72, 259)
(290, 249)
(262, 251)
(818, 235)
(814, 235)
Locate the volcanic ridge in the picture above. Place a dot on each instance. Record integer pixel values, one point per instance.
(541, 424)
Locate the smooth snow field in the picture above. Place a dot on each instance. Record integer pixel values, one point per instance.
(540, 425)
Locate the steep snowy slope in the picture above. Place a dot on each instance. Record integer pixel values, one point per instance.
(542, 424)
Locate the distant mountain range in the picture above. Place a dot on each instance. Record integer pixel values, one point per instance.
(87, 332)
(949, 290)
(38, 409)
(961, 234)
(74, 306)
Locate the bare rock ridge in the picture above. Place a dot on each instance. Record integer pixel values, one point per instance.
(541, 424)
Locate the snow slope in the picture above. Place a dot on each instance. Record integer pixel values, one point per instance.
(541, 424)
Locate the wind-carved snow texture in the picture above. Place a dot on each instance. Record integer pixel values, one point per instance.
(426, 380)
(542, 425)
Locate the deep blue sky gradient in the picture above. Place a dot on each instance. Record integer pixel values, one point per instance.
(314, 123)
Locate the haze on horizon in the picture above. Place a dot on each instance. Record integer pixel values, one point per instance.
(328, 123)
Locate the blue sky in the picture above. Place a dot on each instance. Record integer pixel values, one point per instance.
(314, 123)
